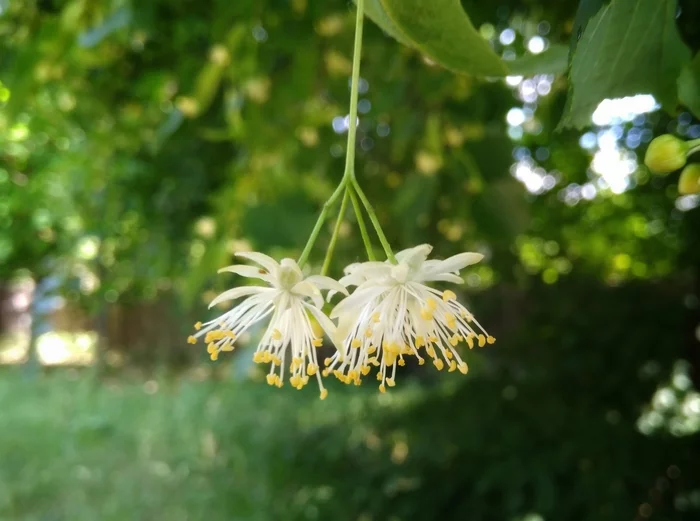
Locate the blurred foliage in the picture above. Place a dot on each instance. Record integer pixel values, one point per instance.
(142, 143)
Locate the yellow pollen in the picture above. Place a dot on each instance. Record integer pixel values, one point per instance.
(448, 355)
(426, 314)
(431, 351)
(490, 339)
(390, 382)
(430, 303)
(421, 361)
(312, 369)
(371, 349)
(382, 389)
(482, 340)
(463, 368)
(327, 362)
(453, 366)
(198, 326)
(191, 340)
(448, 295)
(365, 370)
(470, 342)
(325, 372)
(278, 381)
(393, 349)
(374, 361)
(258, 357)
(355, 343)
(454, 340)
(324, 394)
(211, 349)
(271, 380)
(375, 317)
(402, 362)
(276, 335)
(433, 339)
(368, 333)
(317, 342)
(276, 360)
(294, 380)
(379, 376)
(420, 341)
(439, 364)
(227, 347)
(214, 356)
(267, 356)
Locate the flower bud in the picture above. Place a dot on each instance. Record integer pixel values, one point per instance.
(689, 181)
(665, 154)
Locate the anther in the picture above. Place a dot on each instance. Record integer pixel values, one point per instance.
(448, 295)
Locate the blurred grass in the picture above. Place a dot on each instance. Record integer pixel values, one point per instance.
(77, 449)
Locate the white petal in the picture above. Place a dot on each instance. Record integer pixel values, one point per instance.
(359, 298)
(327, 283)
(307, 289)
(326, 324)
(457, 262)
(235, 293)
(265, 261)
(441, 277)
(414, 257)
(248, 271)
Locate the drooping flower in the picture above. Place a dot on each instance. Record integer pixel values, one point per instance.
(288, 301)
(393, 313)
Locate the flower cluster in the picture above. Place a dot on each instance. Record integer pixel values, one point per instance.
(393, 313)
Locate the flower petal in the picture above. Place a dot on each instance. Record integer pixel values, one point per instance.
(442, 277)
(250, 272)
(327, 283)
(265, 261)
(307, 289)
(458, 262)
(243, 291)
(415, 256)
(358, 299)
(326, 323)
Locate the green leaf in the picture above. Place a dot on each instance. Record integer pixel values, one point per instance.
(689, 86)
(627, 48)
(552, 61)
(375, 11)
(586, 10)
(441, 30)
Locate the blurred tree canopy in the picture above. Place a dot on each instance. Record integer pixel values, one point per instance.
(142, 143)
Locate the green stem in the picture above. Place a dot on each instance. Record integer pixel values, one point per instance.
(361, 223)
(354, 90)
(693, 146)
(374, 221)
(336, 229)
(319, 222)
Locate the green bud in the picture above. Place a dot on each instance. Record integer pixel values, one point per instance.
(665, 154)
(689, 181)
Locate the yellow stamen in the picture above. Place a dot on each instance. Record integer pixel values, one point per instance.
(482, 340)
(198, 326)
(368, 333)
(375, 317)
(390, 382)
(324, 394)
(271, 379)
(426, 314)
(439, 364)
(365, 370)
(191, 340)
(276, 335)
(327, 362)
(258, 358)
(463, 368)
(211, 349)
(311, 369)
(371, 349)
(490, 339)
(470, 342)
(448, 295)
(317, 342)
(420, 341)
(355, 343)
(227, 347)
(453, 366)
(379, 376)
(402, 362)
(421, 361)
(454, 340)
(448, 354)
(214, 356)
(433, 339)
(276, 360)
(382, 389)
(430, 303)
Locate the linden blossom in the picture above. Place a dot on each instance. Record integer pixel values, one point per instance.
(392, 314)
(289, 300)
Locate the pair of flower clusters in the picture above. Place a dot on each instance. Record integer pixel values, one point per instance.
(391, 314)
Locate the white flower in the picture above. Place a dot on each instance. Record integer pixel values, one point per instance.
(393, 313)
(288, 301)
